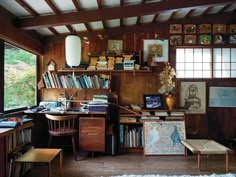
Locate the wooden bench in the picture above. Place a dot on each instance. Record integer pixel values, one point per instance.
(203, 146)
(44, 155)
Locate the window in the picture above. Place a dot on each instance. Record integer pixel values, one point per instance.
(19, 78)
(206, 63)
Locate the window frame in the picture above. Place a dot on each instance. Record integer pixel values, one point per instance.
(2, 66)
(212, 69)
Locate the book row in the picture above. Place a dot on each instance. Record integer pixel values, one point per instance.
(53, 80)
(131, 136)
(18, 138)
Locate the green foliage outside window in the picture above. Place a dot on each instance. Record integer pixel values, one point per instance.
(19, 78)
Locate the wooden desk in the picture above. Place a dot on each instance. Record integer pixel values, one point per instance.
(42, 156)
(203, 146)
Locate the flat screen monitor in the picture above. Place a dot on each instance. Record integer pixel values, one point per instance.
(153, 101)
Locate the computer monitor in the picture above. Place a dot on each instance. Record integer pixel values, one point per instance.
(153, 101)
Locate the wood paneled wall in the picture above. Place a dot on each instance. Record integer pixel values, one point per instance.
(217, 123)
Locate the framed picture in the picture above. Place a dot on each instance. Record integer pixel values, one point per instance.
(221, 39)
(176, 40)
(164, 138)
(222, 97)
(232, 28)
(175, 28)
(193, 97)
(190, 29)
(232, 39)
(219, 28)
(204, 39)
(153, 101)
(157, 49)
(190, 39)
(114, 45)
(204, 28)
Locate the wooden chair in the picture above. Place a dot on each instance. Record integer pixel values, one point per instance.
(62, 125)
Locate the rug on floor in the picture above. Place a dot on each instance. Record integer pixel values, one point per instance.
(212, 175)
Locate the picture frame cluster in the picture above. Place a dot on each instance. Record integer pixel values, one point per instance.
(202, 34)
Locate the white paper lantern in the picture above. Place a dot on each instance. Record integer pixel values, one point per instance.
(73, 50)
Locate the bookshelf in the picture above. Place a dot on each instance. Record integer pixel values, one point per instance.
(14, 142)
(131, 127)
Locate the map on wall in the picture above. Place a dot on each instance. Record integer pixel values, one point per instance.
(164, 138)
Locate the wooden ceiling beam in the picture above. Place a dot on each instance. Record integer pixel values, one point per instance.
(211, 19)
(113, 13)
(27, 7)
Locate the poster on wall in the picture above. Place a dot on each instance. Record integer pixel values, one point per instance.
(222, 97)
(157, 49)
(164, 138)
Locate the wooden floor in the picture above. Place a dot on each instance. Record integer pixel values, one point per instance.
(103, 165)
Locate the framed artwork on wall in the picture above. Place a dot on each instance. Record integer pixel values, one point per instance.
(176, 40)
(175, 28)
(204, 28)
(157, 49)
(114, 45)
(221, 39)
(204, 39)
(219, 28)
(190, 39)
(193, 97)
(190, 29)
(222, 97)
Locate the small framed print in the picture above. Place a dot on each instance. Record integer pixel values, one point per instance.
(175, 28)
(204, 28)
(220, 39)
(219, 28)
(176, 40)
(232, 29)
(232, 39)
(115, 45)
(190, 39)
(204, 39)
(189, 29)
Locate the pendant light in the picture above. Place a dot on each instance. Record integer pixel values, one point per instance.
(73, 50)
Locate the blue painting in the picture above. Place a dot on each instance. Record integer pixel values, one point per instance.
(222, 97)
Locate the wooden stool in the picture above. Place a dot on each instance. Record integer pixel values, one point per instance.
(43, 155)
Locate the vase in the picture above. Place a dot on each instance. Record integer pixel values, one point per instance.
(170, 102)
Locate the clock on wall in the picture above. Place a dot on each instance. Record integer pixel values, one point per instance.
(51, 65)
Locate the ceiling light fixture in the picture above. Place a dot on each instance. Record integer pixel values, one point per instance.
(73, 50)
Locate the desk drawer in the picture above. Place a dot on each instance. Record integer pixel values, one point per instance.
(92, 141)
(92, 134)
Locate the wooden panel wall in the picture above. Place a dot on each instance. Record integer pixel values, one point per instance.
(217, 123)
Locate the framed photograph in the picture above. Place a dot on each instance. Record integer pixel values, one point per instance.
(222, 97)
(193, 97)
(204, 39)
(164, 138)
(114, 45)
(157, 49)
(176, 40)
(190, 39)
(153, 101)
(175, 28)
